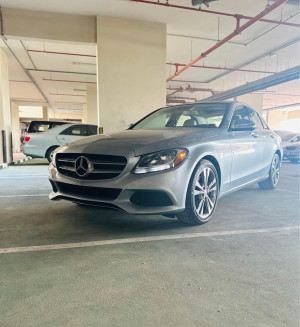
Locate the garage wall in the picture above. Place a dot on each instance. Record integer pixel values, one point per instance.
(131, 70)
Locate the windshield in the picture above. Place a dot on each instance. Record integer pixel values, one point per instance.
(286, 137)
(202, 115)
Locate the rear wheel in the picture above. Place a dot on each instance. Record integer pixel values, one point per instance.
(274, 172)
(202, 195)
(49, 153)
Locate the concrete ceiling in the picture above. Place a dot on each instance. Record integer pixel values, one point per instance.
(187, 31)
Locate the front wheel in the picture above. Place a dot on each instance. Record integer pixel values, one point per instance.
(202, 195)
(49, 153)
(274, 172)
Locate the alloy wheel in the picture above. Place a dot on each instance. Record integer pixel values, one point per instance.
(205, 193)
(275, 168)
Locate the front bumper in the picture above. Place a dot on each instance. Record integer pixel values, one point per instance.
(152, 193)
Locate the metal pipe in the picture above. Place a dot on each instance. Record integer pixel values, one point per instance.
(62, 53)
(26, 71)
(28, 55)
(69, 95)
(204, 38)
(236, 16)
(223, 68)
(69, 102)
(230, 36)
(190, 89)
(261, 84)
(274, 50)
(67, 81)
(60, 71)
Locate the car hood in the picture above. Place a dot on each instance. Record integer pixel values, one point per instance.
(139, 142)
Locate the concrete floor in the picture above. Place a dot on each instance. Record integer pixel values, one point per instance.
(243, 279)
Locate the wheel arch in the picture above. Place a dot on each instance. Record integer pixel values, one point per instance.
(215, 162)
(50, 147)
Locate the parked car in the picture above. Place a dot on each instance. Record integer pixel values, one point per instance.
(177, 161)
(40, 126)
(42, 145)
(291, 148)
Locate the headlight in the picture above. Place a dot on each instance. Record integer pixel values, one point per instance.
(160, 161)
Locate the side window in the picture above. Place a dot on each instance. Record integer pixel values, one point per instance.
(239, 113)
(42, 127)
(93, 130)
(77, 130)
(253, 116)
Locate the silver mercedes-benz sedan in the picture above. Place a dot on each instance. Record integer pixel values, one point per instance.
(177, 161)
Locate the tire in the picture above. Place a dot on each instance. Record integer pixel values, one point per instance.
(274, 172)
(202, 195)
(49, 153)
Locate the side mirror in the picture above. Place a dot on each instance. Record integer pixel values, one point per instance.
(242, 125)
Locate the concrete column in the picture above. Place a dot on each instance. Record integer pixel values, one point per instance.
(15, 127)
(92, 105)
(84, 114)
(5, 118)
(45, 113)
(131, 70)
(256, 101)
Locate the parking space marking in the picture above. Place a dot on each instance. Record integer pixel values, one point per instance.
(143, 239)
(21, 195)
(288, 191)
(22, 176)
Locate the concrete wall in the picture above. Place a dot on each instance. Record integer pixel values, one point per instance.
(49, 26)
(5, 117)
(92, 104)
(131, 70)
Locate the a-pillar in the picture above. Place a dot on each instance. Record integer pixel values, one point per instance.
(15, 127)
(131, 57)
(5, 118)
(92, 104)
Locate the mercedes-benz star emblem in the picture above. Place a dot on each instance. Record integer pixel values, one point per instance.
(82, 166)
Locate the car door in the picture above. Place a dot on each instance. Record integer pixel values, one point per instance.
(73, 133)
(266, 141)
(246, 148)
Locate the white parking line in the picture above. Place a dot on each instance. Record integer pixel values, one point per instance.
(22, 176)
(21, 195)
(287, 191)
(143, 239)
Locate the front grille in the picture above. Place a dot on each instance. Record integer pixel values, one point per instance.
(102, 166)
(94, 193)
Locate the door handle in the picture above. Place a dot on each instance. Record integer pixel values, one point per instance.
(271, 135)
(254, 135)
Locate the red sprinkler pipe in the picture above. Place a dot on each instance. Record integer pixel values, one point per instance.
(67, 81)
(230, 36)
(237, 16)
(62, 53)
(222, 68)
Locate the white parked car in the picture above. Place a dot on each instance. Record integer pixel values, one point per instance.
(42, 145)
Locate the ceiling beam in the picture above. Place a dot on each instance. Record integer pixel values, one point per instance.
(263, 83)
